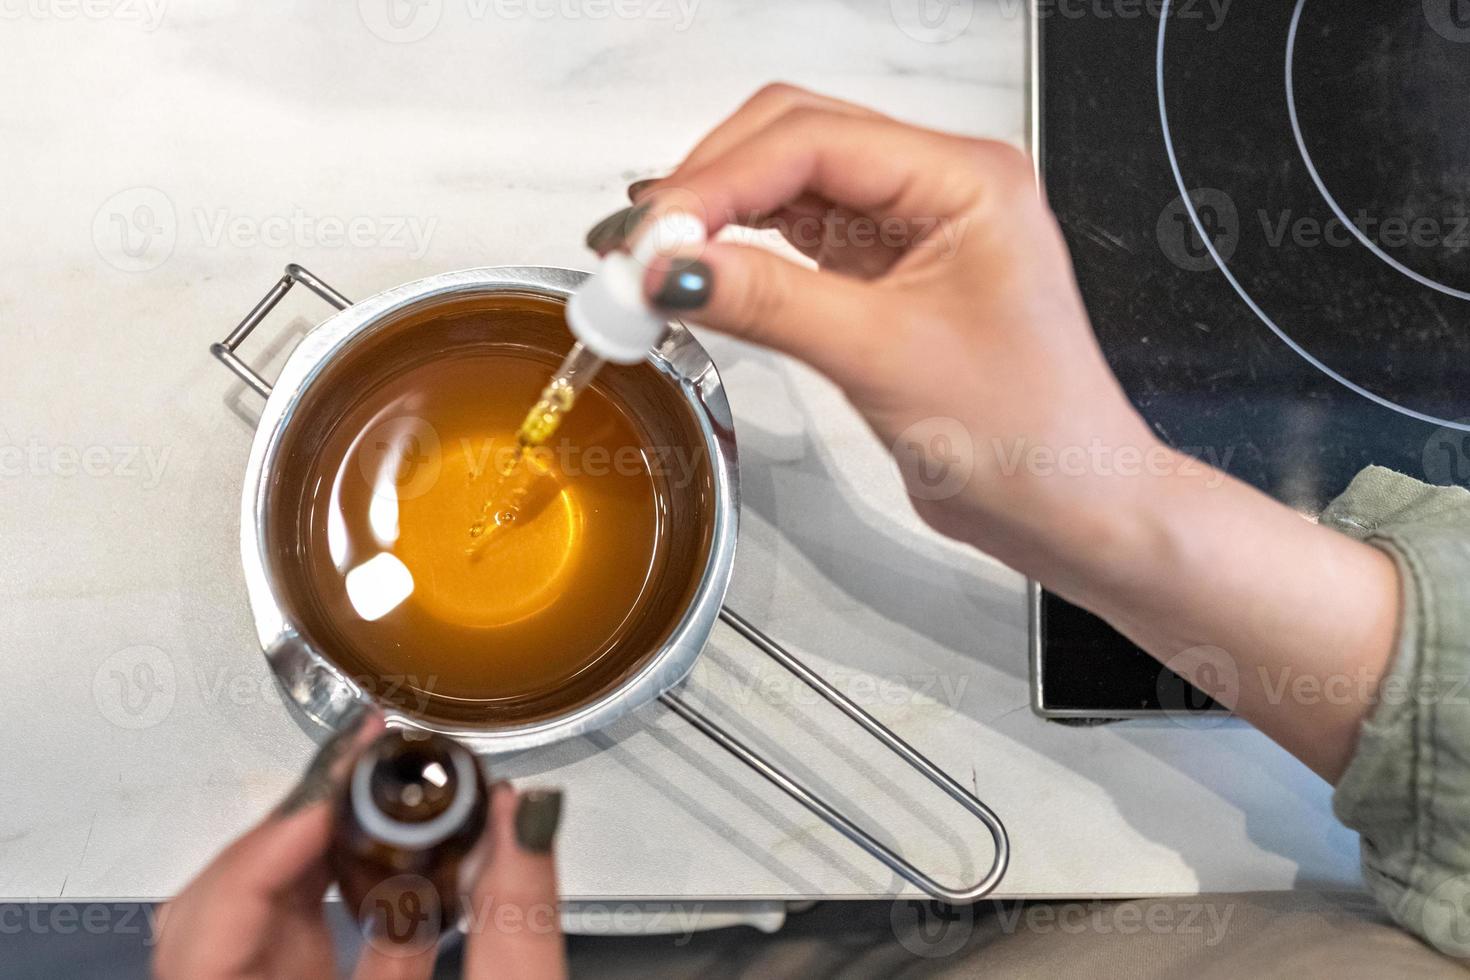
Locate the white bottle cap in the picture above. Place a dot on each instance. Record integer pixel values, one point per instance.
(609, 314)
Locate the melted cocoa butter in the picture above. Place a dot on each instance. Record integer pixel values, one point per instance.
(388, 460)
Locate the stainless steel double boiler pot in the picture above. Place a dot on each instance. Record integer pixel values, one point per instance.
(314, 677)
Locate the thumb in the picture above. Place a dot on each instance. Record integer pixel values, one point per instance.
(753, 293)
(287, 847)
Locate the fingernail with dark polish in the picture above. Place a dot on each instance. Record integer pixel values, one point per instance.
(686, 287)
(610, 233)
(537, 818)
(637, 188)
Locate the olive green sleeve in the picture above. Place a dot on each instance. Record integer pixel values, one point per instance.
(1406, 790)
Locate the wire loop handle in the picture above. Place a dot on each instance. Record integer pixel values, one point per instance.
(225, 350)
(834, 817)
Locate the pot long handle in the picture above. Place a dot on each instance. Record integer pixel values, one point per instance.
(834, 817)
(225, 349)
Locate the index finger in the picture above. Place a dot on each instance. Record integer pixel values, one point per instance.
(763, 108)
(874, 166)
(289, 845)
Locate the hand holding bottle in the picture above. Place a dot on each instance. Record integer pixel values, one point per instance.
(256, 910)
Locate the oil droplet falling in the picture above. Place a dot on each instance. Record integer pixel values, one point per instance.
(513, 486)
(506, 498)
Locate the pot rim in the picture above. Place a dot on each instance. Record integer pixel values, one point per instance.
(321, 690)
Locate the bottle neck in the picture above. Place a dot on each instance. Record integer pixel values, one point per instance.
(413, 791)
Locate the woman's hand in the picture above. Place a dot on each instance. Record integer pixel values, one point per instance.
(256, 911)
(945, 306)
(943, 302)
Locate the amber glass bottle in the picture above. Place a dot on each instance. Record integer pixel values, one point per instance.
(409, 815)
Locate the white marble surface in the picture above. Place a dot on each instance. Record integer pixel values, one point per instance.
(238, 136)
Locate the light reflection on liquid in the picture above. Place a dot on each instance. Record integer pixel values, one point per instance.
(513, 573)
(401, 478)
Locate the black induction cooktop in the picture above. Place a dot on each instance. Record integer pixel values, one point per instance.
(1268, 206)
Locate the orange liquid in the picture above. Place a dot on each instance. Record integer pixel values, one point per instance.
(403, 475)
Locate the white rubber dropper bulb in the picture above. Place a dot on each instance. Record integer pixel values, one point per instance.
(608, 314)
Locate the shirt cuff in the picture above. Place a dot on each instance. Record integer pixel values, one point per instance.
(1406, 790)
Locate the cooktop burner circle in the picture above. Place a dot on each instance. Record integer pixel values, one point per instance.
(1309, 264)
(1441, 227)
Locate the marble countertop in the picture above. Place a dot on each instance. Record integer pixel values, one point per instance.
(164, 160)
